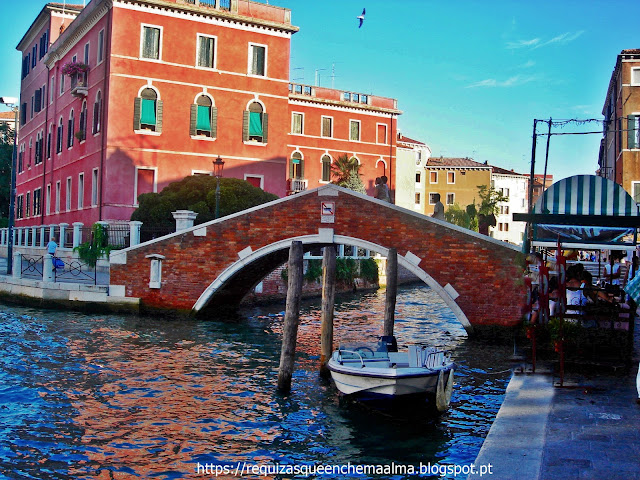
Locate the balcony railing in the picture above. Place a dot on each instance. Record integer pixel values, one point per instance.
(79, 84)
(296, 185)
(219, 4)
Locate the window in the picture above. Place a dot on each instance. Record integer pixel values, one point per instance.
(52, 82)
(418, 177)
(255, 180)
(20, 206)
(48, 199)
(94, 187)
(21, 158)
(296, 169)
(49, 139)
(37, 199)
(204, 118)
(39, 101)
(206, 51)
(68, 199)
(635, 76)
(297, 122)
(382, 133)
(505, 192)
(61, 84)
(39, 148)
(58, 190)
(255, 124)
(451, 198)
(97, 113)
(150, 42)
(257, 59)
(100, 46)
(451, 177)
(86, 53)
(326, 168)
(327, 127)
(80, 191)
(145, 182)
(59, 136)
(82, 127)
(354, 130)
(27, 205)
(433, 177)
(70, 129)
(633, 133)
(433, 198)
(417, 200)
(147, 111)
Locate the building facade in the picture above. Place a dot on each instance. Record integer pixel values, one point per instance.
(410, 173)
(515, 187)
(619, 158)
(123, 97)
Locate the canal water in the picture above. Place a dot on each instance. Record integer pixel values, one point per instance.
(108, 396)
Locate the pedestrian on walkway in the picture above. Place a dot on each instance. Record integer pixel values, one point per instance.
(52, 246)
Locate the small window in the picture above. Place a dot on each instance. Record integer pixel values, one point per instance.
(59, 136)
(433, 177)
(296, 169)
(635, 76)
(80, 191)
(20, 206)
(150, 42)
(433, 198)
(326, 168)
(37, 201)
(71, 127)
(417, 200)
(94, 187)
(48, 200)
(297, 123)
(451, 177)
(257, 60)
(86, 53)
(204, 118)
(206, 51)
(255, 124)
(418, 177)
(68, 199)
(58, 190)
(27, 205)
(100, 46)
(327, 127)
(451, 198)
(382, 133)
(97, 113)
(354, 130)
(148, 111)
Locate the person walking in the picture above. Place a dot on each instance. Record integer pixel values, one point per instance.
(52, 246)
(382, 190)
(438, 208)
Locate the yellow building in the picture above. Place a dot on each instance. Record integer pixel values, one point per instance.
(456, 180)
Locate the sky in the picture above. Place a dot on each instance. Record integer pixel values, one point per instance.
(470, 76)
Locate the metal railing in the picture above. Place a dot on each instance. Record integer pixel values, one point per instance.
(32, 266)
(74, 270)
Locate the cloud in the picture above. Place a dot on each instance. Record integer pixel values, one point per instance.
(529, 64)
(534, 43)
(513, 81)
(523, 43)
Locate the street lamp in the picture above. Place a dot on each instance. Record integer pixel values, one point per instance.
(218, 165)
(12, 103)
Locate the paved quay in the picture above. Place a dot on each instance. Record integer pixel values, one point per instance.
(588, 429)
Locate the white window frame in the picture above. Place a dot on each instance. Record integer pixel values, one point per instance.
(431, 172)
(135, 183)
(100, 52)
(452, 172)
(325, 154)
(52, 84)
(637, 130)
(359, 130)
(61, 84)
(253, 175)
(250, 59)
(322, 128)
(293, 114)
(58, 194)
(215, 51)
(95, 179)
(432, 193)
(416, 199)
(633, 185)
(80, 190)
(33, 201)
(87, 52)
(47, 208)
(419, 182)
(68, 194)
(201, 172)
(142, 27)
(385, 142)
(631, 82)
(453, 198)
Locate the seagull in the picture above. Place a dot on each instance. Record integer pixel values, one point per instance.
(361, 17)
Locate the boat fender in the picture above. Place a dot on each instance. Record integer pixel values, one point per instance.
(444, 389)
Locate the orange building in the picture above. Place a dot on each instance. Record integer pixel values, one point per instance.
(123, 97)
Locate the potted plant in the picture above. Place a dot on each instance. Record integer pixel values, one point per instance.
(80, 135)
(74, 68)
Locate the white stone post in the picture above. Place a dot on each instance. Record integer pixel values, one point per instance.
(184, 219)
(63, 227)
(134, 232)
(77, 233)
(17, 265)
(155, 273)
(42, 230)
(19, 242)
(47, 268)
(34, 231)
(52, 231)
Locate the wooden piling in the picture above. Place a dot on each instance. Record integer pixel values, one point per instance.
(392, 291)
(328, 301)
(291, 317)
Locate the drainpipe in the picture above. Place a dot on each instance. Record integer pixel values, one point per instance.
(103, 113)
(44, 153)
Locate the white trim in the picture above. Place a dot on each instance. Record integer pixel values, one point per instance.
(255, 99)
(314, 102)
(80, 190)
(135, 182)
(100, 51)
(301, 123)
(446, 198)
(201, 172)
(386, 134)
(631, 82)
(253, 175)
(351, 120)
(250, 58)
(383, 161)
(86, 52)
(452, 172)
(149, 25)
(429, 197)
(69, 189)
(322, 117)
(95, 185)
(56, 208)
(48, 199)
(152, 87)
(215, 51)
(326, 154)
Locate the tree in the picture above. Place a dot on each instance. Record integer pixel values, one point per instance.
(6, 153)
(466, 218)
(346, 172)
(198, 193)
(477, 217)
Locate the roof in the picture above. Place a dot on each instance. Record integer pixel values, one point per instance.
(68, 8)
(455, 163)
(7, 116)
(403, 139)
(504, 171)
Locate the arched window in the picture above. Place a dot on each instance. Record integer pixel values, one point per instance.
(255, 123)
(204, 118)
(60, 136)
(97, 114)
(39, 144)
(70, 129)
(296, 168)
(49, 139)
(147, 111)
(82, 128)
(326, 168)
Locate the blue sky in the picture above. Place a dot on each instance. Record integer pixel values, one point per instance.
(470, 76)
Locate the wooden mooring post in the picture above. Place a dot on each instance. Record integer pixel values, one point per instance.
(291, 317)
(328, 302)
(392, 291)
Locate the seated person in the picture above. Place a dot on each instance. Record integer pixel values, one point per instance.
(575, 290)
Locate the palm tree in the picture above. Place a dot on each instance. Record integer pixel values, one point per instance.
(345, 172)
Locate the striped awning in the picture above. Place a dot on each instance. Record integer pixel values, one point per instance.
(586, 195)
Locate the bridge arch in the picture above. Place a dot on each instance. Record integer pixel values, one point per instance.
(322, 238)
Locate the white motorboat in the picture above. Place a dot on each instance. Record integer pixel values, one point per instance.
(384, 373)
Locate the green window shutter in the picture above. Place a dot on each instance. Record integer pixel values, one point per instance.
(265, 127)
(148, 112)
(214, 122)
(203, 118)
(631, 132)
(255, 124)
(245, 126)
(301, 168)
(192, 121)
(159, 115)
(291, 167)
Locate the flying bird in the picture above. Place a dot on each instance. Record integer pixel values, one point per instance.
(361, 17)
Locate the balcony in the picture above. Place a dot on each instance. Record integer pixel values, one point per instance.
(296, 185)
(79, 85)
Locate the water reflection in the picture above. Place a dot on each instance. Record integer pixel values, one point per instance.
(128, 397)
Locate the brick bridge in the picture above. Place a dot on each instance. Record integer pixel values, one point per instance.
(219, 262)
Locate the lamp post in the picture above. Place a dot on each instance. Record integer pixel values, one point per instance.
(12, 103)
(218, 165)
